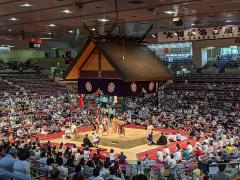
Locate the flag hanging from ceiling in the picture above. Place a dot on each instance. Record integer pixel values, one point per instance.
(80, 101)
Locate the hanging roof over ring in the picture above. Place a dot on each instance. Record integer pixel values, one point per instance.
(106, 58)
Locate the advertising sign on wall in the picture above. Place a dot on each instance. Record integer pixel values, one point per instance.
(35, 42)
(194, 34)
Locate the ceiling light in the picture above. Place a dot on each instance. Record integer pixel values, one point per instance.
(46, 38)
(9, 30)
(228, 21)
(103, 20)
(13, 19)
(26, 5)
(210, 47)
(50, 33)
(67, 11)
(192, 24)
(93, 29)
(71, 31)
(51, 25)
(169, 12)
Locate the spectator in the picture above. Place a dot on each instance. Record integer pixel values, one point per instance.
(96, 172)
(63, 171)
(221, 175)
(21, 167)
(122, 158)
(7, 161)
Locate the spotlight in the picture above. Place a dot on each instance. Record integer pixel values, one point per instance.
(154, 35)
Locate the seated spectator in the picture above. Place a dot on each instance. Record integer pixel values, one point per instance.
(221, 175)
(96, 172)
(138, 169)
(7, 161)
(63, 171)
(70, 161)
(22, 167)
(166, 151)
(107, 162)
(178, 136)
(112, 156)
(89, 168)
(172, 162)
(186, 154)
(78, 169)
(189, 147)
(48, 167)
(54, 174)
(178, 171)
(198, 152)
(112, 175)
(79, 176)
(104, 172)
(86, 153)
(178, 155)
(160, 155)
(43, 159)
(122, 158)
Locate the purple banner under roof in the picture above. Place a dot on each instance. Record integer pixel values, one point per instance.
(115, 87)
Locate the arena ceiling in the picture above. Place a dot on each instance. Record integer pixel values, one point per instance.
(64, 18)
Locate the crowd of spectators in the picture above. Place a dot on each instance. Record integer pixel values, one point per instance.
(25, 114)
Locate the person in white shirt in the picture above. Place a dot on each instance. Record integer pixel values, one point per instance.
(95, 139)
(74, 149)
(86, 153)
(204, 147)
(73, 128)
(178, 136)
(189, 147)
(178, 155)
(19, 133)
(172, 162)
(168, 158)
(104, 172)
(68, 132)
(166, 151)
(160, 155)
(79, 155)
(112, 155)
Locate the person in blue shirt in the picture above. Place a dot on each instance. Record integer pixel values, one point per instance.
(8, 160)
